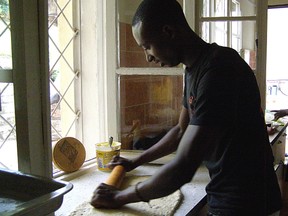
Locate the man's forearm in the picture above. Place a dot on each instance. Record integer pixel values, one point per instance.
(165, 146)
(161, 184)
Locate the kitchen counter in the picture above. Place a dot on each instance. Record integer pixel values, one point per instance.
(84, 185)
(194, 195)
(278, 144)
(273, 138)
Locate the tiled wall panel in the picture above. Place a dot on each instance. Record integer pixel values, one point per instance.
(152, 102)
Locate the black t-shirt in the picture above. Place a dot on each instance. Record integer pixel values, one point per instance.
(221, 90)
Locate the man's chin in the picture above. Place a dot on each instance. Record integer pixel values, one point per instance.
(168, 65)
(172, 65)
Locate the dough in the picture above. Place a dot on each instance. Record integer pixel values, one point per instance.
(156, 207)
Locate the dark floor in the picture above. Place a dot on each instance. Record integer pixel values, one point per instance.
(283, 183)
(284, 210)
(284, 189)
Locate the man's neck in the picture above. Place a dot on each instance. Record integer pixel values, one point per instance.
(193, 51)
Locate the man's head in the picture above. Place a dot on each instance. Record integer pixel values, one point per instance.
(156, 26)
(157, 13)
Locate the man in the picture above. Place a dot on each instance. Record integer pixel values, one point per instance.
(220, 123)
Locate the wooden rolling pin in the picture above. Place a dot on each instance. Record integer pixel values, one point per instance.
(116, 176)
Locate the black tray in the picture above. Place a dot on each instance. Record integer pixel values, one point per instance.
(22, 194)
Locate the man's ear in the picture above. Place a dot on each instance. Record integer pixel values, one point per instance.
(169, 31)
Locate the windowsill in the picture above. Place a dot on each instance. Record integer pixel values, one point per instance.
(88, 166)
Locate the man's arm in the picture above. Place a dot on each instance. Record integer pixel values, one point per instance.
(196, 143)
(279, 113)
(165, 146)
(104, 195)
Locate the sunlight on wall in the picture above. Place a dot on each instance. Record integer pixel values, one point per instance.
(277, 64)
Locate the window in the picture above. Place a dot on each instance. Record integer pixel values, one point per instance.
(77, 57)
(230, 23)
(82, 108)
(98, 94)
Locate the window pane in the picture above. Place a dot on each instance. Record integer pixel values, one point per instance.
(8, 143)
(149, 107)
(215, 32)
(246, 41)
(243, 8)
(130, 54)
(219, 8)
(236, 35)
(220, 33)
(5, 36)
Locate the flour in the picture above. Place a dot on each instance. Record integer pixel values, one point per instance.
(164, 206)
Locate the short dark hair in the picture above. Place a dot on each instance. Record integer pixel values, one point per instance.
(157, 13)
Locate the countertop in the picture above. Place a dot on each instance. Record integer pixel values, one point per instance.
(85, 184)
(273, 138)
(194, 192)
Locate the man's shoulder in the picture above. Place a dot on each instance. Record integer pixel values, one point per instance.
(221, 52)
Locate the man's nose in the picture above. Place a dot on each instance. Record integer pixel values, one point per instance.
(149, 58)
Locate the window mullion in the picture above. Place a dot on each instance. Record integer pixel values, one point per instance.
(239, 18)
(29, 33)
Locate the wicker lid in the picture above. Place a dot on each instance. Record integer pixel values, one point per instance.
(68, 154)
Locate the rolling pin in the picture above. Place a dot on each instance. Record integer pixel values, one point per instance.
(116, 176)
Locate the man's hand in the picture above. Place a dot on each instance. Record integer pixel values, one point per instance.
(279, 113)
(126, 163)
(104, 196)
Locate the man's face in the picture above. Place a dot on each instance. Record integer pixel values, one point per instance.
(158, 47)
